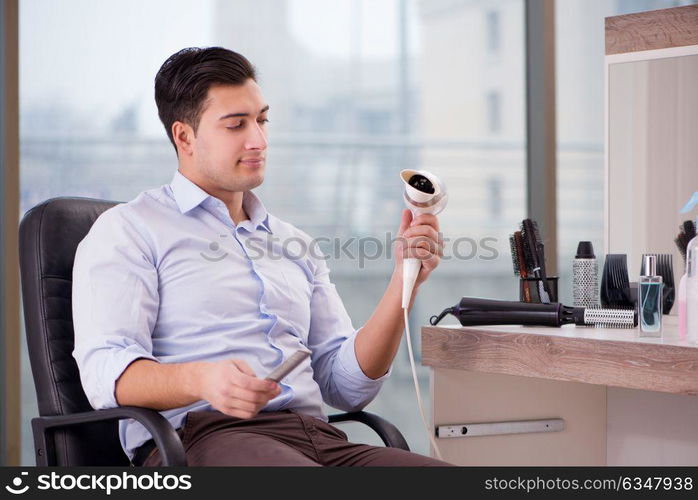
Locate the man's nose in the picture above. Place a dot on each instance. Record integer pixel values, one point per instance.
(257, 138)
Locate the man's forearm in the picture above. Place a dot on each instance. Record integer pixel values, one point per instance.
(159, 386)
(379, 339)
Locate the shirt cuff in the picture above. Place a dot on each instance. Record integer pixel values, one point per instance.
(118, 366)
(350, 368)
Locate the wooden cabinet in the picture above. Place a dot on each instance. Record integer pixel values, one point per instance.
(625, 400)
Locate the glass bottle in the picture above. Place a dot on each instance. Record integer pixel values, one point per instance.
(650, 299)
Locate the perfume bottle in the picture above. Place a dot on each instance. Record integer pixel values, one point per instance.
(650, 299)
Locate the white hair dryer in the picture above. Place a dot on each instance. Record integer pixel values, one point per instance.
(424, 194)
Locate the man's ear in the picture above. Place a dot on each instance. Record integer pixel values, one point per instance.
(183, 136)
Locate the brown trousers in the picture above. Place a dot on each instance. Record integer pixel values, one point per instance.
(280, 438)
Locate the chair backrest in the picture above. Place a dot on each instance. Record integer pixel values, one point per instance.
(48, 238)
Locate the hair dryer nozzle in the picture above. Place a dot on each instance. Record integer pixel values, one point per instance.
(424, 192)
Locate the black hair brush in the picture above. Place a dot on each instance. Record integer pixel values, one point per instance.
(687, 231)
(518, 259)
(534, 253)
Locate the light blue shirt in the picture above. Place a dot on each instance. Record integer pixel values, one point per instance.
(168, 276)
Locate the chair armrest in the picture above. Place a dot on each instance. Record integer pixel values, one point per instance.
(165, 436)
(390, 434)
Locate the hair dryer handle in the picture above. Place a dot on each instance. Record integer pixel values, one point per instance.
(410, 270)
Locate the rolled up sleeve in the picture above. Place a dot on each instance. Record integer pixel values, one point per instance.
(115, 303)
(331, 339)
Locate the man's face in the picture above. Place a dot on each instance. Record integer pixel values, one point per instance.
(229, 151)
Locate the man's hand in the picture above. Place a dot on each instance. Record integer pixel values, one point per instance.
(419, 238)
(231, 387)
(379, 339)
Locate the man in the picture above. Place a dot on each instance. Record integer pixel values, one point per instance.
(177, 307)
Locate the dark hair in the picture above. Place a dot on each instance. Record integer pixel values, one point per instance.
(183, 81)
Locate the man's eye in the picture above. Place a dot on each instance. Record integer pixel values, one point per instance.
(263, 120)
(239, 125)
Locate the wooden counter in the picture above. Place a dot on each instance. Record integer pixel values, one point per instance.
(624, 400)
(611, 357)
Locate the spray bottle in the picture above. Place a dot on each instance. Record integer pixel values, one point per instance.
(688, 286)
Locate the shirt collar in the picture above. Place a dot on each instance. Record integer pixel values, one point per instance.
(255, 210)
(188, 195)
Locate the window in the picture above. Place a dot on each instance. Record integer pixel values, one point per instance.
(494, 121)
(493, 35)
(494, 186)
(372, 89)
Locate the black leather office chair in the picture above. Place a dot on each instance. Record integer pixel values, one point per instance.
(69, 431)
